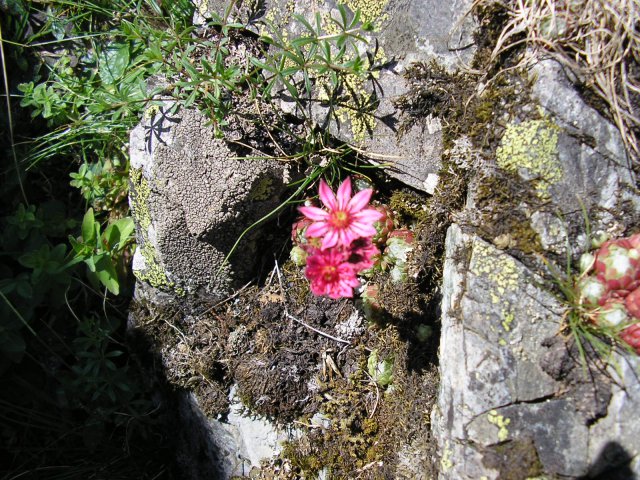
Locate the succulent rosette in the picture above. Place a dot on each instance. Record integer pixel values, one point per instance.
(613, 314)
(631, 335)
(617, 264)
(632, 302)
(610, 286)
(384, 226)
(298, 234)
(593, 291)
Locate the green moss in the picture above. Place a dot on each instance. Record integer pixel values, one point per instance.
(531, 148)
(409, 207)
(497, 199)
(367, 424)
(515, 459)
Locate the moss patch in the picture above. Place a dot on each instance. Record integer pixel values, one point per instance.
(502, 200)
(514, 460)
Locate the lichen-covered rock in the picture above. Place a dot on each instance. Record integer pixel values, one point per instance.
(404, 32)
(586, 165)
(514, 401)
(500, 390)
(192, 197)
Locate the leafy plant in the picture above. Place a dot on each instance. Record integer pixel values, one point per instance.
(326, 64)
(102, 251)
(380, 371)
(600, 298)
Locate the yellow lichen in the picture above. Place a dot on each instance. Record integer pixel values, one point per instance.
(531, 147)
(262, 191)
(508, 320)
(153, 273)
(503, 277)
(501, 422)
(500, 270)
(370, 10)
(203, 9)
(445, 462)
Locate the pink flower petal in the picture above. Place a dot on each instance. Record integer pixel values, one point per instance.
(317, 229)
(344, 194)
(327, 196)
(360, 200)
(345, 237)
(330, 240)
(362, 230)
(314, 213)
(368, 216)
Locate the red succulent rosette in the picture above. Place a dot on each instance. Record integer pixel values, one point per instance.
(631, 335)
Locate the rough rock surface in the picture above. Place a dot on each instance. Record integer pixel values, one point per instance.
(405, 32)
(514, 402)
(212, 448)
(192, 197)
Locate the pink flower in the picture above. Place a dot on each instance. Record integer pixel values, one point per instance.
(331, 274)
(346, 218)
(361, 254)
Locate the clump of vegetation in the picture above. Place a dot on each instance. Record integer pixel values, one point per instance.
(604, 298)
(74, 402)
(604, 59)
(85, 74)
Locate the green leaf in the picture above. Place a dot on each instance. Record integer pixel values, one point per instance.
(113, 62)
(90, 261)
(304, 22)
(300, 42)
(88, 228)
(117, 233)
(262, 65)
(106, 273)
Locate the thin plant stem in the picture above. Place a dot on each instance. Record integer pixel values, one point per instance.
(10, 119)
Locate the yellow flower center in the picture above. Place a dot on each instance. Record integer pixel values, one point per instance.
(340, 219)
(329, 273)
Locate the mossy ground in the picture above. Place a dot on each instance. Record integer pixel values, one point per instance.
(286, 371)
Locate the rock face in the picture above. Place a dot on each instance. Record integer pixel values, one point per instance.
(192, 197)
(405, 32)
(514, 401)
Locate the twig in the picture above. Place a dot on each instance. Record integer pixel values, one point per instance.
(231, 297)
(375, 384)
(341, 340)
(286, 312)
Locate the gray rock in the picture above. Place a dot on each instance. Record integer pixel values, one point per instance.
(223, 448)
(590, 154)
(243, 441)
(406, 32)
(494, 320)
(510, 391)
(192, 197)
